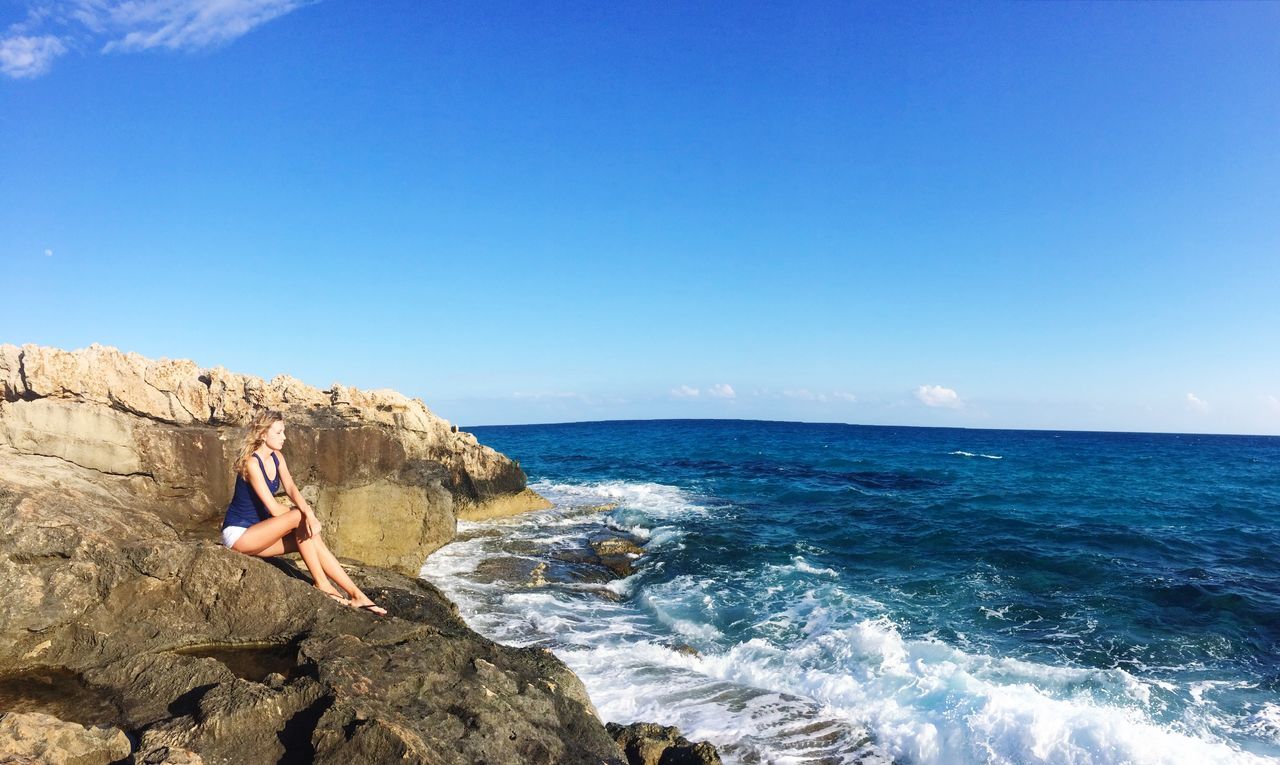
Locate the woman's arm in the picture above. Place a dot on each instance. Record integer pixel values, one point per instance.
(310, 522)
(291, 488)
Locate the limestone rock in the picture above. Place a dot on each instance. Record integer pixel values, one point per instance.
(388, 477)
(111, 594)
(40, 738)
(616, 553)
(649, 744)
(522, 571)
(166, 755)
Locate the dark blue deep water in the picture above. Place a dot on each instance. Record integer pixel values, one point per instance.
(836, 593)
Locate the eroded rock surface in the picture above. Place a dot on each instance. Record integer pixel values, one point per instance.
(113, 595)
(114, 471)
(39, 738)
(387, 476)
(650, 744)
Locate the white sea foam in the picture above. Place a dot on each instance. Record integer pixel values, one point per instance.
(1265, 723)
(823, 674)
(971, 454)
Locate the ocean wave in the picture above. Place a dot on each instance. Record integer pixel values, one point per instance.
(826, 675)
(971, 454)
(654, 499)
(799, 564)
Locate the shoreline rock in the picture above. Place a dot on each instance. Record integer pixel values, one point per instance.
(387, 476)
(114, 471)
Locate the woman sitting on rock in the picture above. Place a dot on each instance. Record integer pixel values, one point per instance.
(256, 524)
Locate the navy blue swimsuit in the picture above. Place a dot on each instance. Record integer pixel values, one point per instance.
(246, 508)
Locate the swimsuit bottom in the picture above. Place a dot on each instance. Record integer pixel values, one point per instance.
(231, 535)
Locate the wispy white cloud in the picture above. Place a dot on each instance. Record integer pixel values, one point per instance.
(938, 396)
(1196, 404)
(51, 29)
(22, 56)
(48, 253)
(180, 24)
(723, 390)
(684, 391)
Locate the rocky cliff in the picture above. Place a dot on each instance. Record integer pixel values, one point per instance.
(121, 610)
(388, 477)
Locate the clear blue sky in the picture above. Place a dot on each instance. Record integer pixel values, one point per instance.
(1042, 215)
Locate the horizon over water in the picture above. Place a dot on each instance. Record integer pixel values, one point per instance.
(827, 593)
(472, 428)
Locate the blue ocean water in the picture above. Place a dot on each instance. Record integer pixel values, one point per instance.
(835, 593)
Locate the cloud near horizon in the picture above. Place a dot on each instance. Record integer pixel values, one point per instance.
(685, 391)
(28, 48)
(723, 390)
(938, 396)
(1196, 404)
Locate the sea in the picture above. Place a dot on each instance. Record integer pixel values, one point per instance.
(811, 593)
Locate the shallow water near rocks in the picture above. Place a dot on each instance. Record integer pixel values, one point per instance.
(253, 662)
(60, 693)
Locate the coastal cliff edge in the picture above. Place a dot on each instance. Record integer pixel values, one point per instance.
(123, 611)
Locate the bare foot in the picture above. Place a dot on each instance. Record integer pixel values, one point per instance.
(365, 604)
(336, 596)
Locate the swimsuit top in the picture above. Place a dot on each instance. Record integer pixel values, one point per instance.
(246, 507)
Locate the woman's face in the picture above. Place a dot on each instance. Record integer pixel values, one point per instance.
(274, 437)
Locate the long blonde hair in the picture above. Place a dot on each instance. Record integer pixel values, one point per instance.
(254, 437)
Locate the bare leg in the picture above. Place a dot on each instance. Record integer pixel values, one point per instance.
(334, 569)
(279, 535)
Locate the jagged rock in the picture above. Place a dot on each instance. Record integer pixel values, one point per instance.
(649, 744)
(605, 545)
(387, 476)
(166, 755)
(530, 573)
(114, 471)
(40, 738)
(616, 553)
(113, 595)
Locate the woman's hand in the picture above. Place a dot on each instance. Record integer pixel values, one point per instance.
(310, 523)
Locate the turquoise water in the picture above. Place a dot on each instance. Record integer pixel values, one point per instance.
(912, 595)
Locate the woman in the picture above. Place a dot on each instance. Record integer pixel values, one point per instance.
(256, 524)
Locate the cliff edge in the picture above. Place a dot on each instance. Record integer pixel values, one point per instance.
(128, 634)
(387, 476)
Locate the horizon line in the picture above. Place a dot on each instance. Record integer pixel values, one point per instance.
(862, 425)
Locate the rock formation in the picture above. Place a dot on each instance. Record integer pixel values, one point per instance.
(388, 478)
(122, 614)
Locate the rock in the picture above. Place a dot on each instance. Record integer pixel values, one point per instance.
(616, 553)
(387, 476)
(166, 755)
(613, 545)
(40, 738)
(503, 505)
(112, 595)
(114, 471)
(522, 571)
(650, 744)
